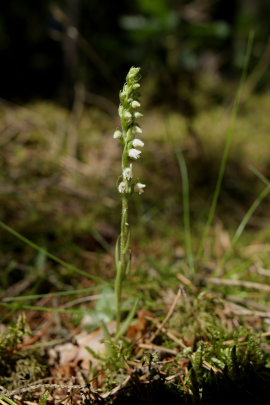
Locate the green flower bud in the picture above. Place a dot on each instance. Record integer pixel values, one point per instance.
(133, 72)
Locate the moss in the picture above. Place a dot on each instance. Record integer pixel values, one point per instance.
(223, 373)
(218, 373)
(19, 366)
(196, 316)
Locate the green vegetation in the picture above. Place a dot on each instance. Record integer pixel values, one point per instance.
(19, 367)
(108, 296)
(199, 332)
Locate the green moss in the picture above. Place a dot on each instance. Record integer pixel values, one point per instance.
(18, 366)
(221, 372)
(196, 316)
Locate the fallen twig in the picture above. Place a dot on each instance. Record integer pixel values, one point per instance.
(169, 314)
(116, 389)
(260, 270)
(248, 303)
(157, 348)
(167, 332)
(239, 310)
(240, 283)
(30, 388)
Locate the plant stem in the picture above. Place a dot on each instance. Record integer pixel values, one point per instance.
(124, 245)
(123, 262)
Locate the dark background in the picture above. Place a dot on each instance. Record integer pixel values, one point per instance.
(48, 47)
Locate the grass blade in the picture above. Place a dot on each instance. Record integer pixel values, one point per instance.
(44, 398)
(48, 254)
(263, 194)
(186, 209)
(52, 294)
(6, 400)
(260, 176)
(124, 325)
(47, 309)
(229, 138)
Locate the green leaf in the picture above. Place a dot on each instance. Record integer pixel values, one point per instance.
(127, 271)
(117, 252)
(127, 322)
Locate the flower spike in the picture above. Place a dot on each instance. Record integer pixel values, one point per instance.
(126, 136)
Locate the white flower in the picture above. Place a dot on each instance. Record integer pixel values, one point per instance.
(127, 173)
(123, 187)
(137, 114)
(139, 188)
(134, 153)
(124, 114)
(137, 143)
(135, 104)
(117, 134)
(124, 92)
(133, 72)
(137, 129)
(127, 115)
(120, 110)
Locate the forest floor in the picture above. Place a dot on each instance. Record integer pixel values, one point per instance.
(201, 331)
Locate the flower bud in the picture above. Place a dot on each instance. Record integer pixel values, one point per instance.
(139, 188)
(127, 173)
(137, 143)
(137, 129)
(133, 72)
(123, 113)
(120, 110)
(137, 115)
(134, 153)
(127, 115)
(135, 104)
(117, 134)
(123, 187)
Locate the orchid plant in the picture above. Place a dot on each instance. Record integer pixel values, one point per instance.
(131, 145)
